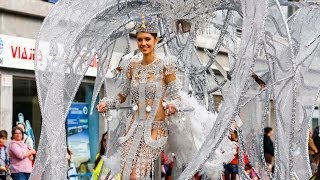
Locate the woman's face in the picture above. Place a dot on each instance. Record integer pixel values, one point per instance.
(104, 140)
(146, 42)
(270, 134)
(310, 132)
(17, 135)
(3, 140)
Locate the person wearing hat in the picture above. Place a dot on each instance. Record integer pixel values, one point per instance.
(27, 140)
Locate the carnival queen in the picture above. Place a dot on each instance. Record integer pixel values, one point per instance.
(153, 89)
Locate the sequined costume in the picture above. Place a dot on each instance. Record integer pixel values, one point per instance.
(149, 89)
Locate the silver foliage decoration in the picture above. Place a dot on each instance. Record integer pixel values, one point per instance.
(284, 52)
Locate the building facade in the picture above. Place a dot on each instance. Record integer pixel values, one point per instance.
(20, 22)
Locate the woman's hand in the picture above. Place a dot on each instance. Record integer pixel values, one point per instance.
(101, 107)
(3, 169)
(32, 151)
(171, 109)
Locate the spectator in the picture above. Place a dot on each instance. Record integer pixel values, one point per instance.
(99, 161)
(166, 166)
(316, 137)
(98, 171)
(316, 176)
(26, 138)
(250, 172)
(268, 147)
(4, 158)
(68, 156)
(197, 176)
(69, 153)
(20, 156)
(231, 169)
(312, 149)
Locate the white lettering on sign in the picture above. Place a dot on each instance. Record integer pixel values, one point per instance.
(19, 53)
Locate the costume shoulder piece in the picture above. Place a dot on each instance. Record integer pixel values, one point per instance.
(127, 65)
(169, 64)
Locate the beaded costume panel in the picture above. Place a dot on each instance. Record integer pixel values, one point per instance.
(146, 88)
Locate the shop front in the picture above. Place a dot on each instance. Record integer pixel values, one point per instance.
(18, 91)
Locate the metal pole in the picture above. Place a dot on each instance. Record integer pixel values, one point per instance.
(157, 169)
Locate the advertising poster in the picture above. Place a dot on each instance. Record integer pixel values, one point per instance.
(78, 133)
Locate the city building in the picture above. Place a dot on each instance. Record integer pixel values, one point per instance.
(20, 22)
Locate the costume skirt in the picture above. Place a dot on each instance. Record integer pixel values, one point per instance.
(143, 162)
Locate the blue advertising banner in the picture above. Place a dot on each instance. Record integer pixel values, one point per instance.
(78, 133)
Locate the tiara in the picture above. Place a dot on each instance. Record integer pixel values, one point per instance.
(146, 24)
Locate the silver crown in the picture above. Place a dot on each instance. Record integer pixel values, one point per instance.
(146, 24)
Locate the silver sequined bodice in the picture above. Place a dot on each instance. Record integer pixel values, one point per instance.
(148, 75)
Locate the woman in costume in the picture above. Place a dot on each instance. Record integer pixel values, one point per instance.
(152, 87)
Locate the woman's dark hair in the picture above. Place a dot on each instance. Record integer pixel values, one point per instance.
(315, 132)
(155, 35)
(267, 130)
(102, 151)
(3, 133)
(234, 135)
(14, 130)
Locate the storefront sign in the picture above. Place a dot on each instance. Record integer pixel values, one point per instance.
(16, 52)
(19, 53)
(78, 132)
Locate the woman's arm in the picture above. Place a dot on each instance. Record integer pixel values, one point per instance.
(173, 88)
(312, 146)
(125, 87)
(19, 152)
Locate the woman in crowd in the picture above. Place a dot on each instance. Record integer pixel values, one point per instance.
(231, 169)
(20, 156)
(313, 150)
(167, 166)
(316, 137)
(151, 84)
(99, 161)
(268, 147)
(4, 158)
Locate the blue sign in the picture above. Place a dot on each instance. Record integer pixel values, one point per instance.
(78, 132)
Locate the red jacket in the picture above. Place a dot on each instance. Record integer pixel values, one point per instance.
(165, 159)
(235, 160)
